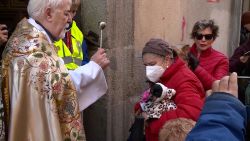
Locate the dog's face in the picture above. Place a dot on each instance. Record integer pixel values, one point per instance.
(156, 91)
(159, 92)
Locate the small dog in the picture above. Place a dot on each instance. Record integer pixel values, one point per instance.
(158, 100)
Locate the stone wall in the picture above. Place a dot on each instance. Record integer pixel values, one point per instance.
(165, 18)
(109, 119)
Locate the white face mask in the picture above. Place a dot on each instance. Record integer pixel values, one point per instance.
(154, 73)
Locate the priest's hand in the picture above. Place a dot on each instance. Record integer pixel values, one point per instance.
(100, 57)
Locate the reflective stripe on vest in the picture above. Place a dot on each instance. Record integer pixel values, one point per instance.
(71, 60)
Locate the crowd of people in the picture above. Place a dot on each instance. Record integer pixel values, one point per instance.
(220, 115)
(48, 80)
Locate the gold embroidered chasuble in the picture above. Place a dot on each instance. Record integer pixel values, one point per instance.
(37, 88)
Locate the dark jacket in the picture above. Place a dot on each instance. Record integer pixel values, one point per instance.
(244, 35)
(223, 118)
(235, 65)
(213, 65)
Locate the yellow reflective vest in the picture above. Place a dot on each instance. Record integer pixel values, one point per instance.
(71, 60)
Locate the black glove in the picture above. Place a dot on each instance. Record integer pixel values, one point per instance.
(193, 62)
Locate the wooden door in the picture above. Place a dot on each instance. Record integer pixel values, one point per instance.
(11, 12)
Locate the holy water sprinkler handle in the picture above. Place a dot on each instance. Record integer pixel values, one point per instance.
(102, 25)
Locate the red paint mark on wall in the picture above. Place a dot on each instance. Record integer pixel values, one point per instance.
(183, 26)
(213, 1)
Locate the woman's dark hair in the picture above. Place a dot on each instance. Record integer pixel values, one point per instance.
(203, 24)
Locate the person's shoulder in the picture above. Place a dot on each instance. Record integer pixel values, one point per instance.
(185, 74)
(74, 26)
(227, 99)
(75, 30)
(245, 45)
(217, 54)
(27, 43)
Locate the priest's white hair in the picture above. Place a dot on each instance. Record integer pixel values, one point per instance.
(37, 7)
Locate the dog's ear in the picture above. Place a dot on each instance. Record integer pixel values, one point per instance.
(156, 90)
(150, 83)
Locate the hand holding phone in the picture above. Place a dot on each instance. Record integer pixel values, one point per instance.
(244, 58)
(246, 53)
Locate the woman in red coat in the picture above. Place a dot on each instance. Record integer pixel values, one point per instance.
(206, 63)
(164, 66)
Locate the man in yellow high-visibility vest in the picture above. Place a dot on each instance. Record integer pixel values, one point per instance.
(73, 48)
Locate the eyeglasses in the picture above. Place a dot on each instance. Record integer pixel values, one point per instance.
(207, 36)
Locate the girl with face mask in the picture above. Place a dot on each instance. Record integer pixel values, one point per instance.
(164, 66)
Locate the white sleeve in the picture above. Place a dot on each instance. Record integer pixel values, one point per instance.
(90, 83)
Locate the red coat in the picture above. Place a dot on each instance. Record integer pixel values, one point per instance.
(189, 97)
(213, 66)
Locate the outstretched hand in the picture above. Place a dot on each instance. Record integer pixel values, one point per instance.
(227, 84)
(100, 57)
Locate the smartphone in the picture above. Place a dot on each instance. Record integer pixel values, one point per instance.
(244, 77)
(247, 53)
(243, 82)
